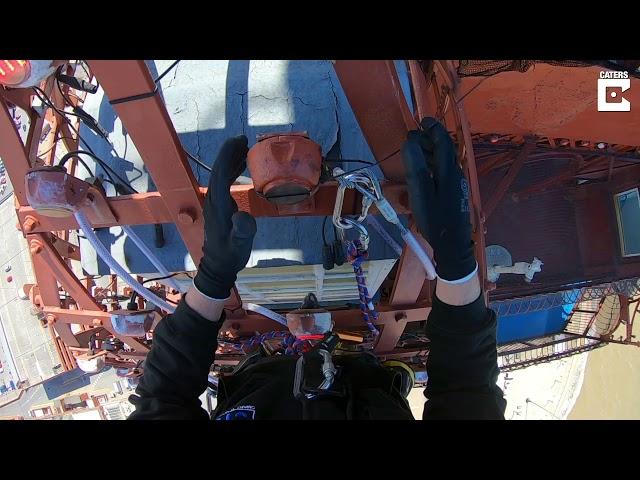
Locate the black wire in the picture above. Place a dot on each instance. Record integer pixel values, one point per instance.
(166, 71)
(324, 239)
(339, 160)
(81, 162)
(64, 96)
(47, 101)
(165, 277)
(364, 168)
(82, 63)
(50, 104)
(199, 162)
(102, 163)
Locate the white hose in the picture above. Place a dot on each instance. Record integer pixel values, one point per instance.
(104, 254)
(421, 254)
(264, 311)
(152, 258)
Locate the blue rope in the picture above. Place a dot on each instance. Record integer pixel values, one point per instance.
(356, 255)
(291, 344)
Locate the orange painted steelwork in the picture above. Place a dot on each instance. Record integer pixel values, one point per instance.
(504, 108)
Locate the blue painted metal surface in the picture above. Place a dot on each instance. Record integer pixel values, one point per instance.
(533, 323)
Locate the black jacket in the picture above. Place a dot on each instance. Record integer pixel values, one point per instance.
(462, 368)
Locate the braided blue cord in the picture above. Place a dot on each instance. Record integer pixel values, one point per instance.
(291, 344)
(356, 256)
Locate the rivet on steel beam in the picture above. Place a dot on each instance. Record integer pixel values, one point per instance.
(89, 200)
(51, 319)
(400, 316)
(30, 223)
(36, 247)
(187, 216)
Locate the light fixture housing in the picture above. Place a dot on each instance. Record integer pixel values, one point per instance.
(24, 73)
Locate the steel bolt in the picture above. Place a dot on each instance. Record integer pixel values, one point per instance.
(36, 247)
(186, 216)
(400, 316)
(30, 223)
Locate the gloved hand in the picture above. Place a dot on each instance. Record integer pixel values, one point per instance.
(439, 197)
(228, 234)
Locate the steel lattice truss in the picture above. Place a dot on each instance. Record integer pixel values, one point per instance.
(371, 87)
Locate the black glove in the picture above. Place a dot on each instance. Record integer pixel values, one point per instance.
(228, 234)
(439, 196)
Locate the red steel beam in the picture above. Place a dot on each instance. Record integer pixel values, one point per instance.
(13, 153)
(424, 107)
(147, 122)
(388, 316)
(410, 276)
(508, 179)
(149, 208)
(46, 253)
(375, 95)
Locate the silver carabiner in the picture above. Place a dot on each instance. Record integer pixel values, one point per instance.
(364, 234)
(365, 184)
(337, 209)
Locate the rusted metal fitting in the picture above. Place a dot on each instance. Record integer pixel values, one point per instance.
(285, 167)
(187, 216)
(35, 247)
(54, 193)
(400, 316)
(30, 223)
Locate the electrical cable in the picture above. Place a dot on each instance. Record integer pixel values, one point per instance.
(119, 270)
(102, 163)
(82, 162)
(198, 161)
(47, 101)
(142, 96)
(338, 160)
(364, 168)
(324, 238)
(165, 277)
(82, 64)
(167, 70)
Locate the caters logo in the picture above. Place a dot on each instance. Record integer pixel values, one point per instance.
(611, 88)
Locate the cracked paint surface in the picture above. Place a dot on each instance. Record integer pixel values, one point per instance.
(209, 101)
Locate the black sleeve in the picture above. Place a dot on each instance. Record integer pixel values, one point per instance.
(463, 363)
(176, 368)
